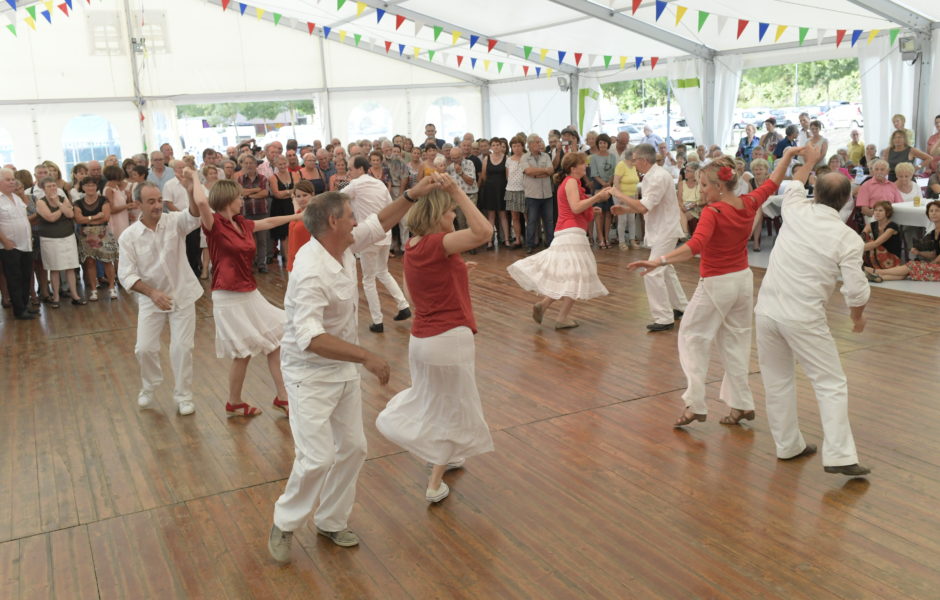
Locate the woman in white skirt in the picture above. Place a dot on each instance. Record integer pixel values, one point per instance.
(566, 270)
(439, 418)
(245, 323)
(58, 244)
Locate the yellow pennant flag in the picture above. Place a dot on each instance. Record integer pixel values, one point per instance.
(360, 7)
(548, 72)
(486, 65)
(259, 12)
(454, 36)
(542, 53)
(780, 30)
(623, 62)
(49, 4)
(872, 35)
(342, 37)
(417, 51)
(30, 22)
(680, 12)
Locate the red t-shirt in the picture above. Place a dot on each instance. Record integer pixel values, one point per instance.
(722, 233)
(566, 217)
(232, 254)
(297, 236)
(440, 288)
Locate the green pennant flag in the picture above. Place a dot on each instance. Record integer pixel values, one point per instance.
(277, 18)
(437, 32)
(12, 28)
(894, 36)
(431, 55)
(499, 67)
(606, 61)
(339, 4)
(702, 17)
(803, 32)
(527, 50)
(357, 36)
(32, 11)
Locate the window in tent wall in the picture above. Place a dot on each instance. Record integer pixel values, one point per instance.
(370, 120)
(449, 116)
(88, 137)
(6, 148)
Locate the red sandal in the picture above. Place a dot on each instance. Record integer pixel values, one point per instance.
(241, 410)
(281, 405)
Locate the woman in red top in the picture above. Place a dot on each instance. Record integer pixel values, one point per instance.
(439, 418)
(567, 269)
(722, 306)
(245, 323)
(297, 234)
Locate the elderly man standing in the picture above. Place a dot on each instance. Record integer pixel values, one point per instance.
(257, 206)
(368, 196)
(154, 264)
(812, 252)
(325, 164)
(622, 145)
(318, 355)
(271, 151)
(650, 138)
(16, 247)
(856, 148)
(661, 210)
(462, 170)
(537, 170)
(159, 173)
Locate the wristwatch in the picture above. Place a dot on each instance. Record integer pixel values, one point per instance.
(409, 198)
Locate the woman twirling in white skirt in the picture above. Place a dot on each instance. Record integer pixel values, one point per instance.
(567, 269)
(439, 418)
(245, 323)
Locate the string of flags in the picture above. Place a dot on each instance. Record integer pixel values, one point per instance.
(45, 9)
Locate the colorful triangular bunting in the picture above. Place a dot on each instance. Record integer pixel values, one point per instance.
(561, 56)
(742, 25)
(855, 35)
(639, 62)
(473, 40)
(398, 21)
(762, 31)
(680, 12)
(607, 61)
(437, 32)
(840, 33)
(702, 17)
(379, 13)
(577, 58)
(803, 32)
(780, 30)
(893, 36)
(490, 44)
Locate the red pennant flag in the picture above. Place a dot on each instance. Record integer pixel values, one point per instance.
(636, 5)
(64, 8)
(398, 21)
(388, 46)
(459, 60)
(577, 58)
(840, 33)
(653, 61)
(310, 27)
(225, 4)
(525, 69)
(490, 44)
(742, 25)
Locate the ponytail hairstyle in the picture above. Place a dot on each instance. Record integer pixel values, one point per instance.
(721, 172)
(570, 161)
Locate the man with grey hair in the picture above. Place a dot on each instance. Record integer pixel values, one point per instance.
(660, 206)
(464, 172)
(16, 247)
(319, 352)
(271, 151)
(537, 173)
(813, 251)
(159, 173)
(325, 164)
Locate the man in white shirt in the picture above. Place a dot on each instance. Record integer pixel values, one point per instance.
(812, 251)
(368, 196)
(175, 197)
(16, 247)
(153, 264)
(318, 355)
(803, 137)
(661, 209)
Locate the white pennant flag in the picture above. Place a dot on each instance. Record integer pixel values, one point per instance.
(820, 34)
(720, 21)
(372, 43)
(513, 69)
(418, 27)
(444, 56)
(590, 60)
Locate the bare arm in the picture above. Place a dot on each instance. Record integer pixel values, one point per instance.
(199, 204)
(49, 214)
(272, 222)
(884, 237)
(680, 254)
(393, 213)
(334, 348)
(479, 231)
(577, 205)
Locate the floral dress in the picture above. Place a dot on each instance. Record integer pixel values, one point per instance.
(95, 241)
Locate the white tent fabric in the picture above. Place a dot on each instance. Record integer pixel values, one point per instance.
(727, 82)
(887, 89)
(687, 80)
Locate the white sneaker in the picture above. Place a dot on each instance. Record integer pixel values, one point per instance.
(186, 407)
(145, 399)
(279, 543)
(93, 296)
(114, 293)
(437, 495)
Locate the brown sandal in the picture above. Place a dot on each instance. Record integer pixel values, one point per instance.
(687, 417)
(736, 416)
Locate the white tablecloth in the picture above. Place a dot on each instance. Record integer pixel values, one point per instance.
(905, 213)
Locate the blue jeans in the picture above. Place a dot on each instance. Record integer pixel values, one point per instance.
(536, 210)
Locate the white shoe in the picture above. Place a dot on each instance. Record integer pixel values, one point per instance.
(145, 399)
(93, 296)
(437, 495)
(186, 407)
(114, 293)
(279, 543)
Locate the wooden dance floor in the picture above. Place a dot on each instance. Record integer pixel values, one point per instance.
(589, 494)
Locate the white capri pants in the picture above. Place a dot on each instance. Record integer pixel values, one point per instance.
(663, 290)
(779, 345)
(720, 311)
(329, 450)
(150, 322)
(374, 260)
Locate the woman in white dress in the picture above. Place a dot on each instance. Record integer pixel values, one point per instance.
(439, 418)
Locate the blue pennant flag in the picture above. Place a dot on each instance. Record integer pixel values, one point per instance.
(561, 56)
(855, 34)
(241, 7)
(639, 62)
(326, 32)
(761, 31)
(660, 7)
(379, 13)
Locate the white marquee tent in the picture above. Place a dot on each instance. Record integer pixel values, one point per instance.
(490, 66)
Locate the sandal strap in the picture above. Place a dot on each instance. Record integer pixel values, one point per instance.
(245, 408)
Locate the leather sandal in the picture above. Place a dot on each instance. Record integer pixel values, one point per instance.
(281, 405)
(736, 416)
(687, 417)
(240, 410)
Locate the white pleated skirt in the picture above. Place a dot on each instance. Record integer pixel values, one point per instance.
(439, 418)
(566, 269)
(59, 254)
(245, 324)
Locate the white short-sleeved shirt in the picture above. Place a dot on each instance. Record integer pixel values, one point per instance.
(158, 258)
(659, 198)
(812, 250)
(323, 297)
(14, 223)
(368, 196)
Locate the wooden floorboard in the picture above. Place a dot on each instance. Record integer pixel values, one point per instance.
(589, 494)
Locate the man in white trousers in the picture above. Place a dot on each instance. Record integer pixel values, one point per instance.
(318, 355)
(367, 196)
(153, 264)
(814, 248)
(663, 229)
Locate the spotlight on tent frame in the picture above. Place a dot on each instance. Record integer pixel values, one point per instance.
(910, 48)
(563, 84)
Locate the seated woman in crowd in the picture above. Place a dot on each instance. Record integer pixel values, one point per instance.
(836, 165)
(603, 163)
(905, 182)
(744, 178)
(882, 238)
(871, 155)
(900, 151)
(926, 269)
(58, 244)
(95, 241)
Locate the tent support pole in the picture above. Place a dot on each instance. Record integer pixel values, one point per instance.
(325, 105)
(922, 119)
(573, 91)
(485, 108)
(709, 104)
(135, 74)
